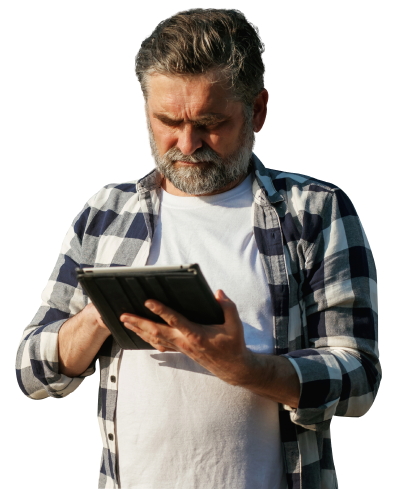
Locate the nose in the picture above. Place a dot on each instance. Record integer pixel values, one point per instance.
(189, 139)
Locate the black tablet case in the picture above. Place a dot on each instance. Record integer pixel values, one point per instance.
(183, 289)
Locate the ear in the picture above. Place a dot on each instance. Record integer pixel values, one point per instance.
(260, 110)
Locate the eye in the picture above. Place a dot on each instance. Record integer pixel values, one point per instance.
(202, 126)
(171, 123)
(209, 126)
(217, 125)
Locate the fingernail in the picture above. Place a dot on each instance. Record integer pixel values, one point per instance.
(150, 305)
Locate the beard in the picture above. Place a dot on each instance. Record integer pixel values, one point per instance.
(215, 174)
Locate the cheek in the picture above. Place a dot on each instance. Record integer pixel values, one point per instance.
(167, 142)
(216, 142)
(225, 139)
(224, 142)
(165, 138)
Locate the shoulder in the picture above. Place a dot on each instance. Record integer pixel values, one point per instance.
(112, 195)
(286, 181)
(306, 193)
(105, 206)
(312, 201)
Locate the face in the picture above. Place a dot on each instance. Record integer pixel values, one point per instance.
(199, 136)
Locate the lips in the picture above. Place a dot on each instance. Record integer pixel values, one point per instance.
(191, 163)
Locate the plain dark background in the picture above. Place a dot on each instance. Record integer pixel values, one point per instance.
(72, 120)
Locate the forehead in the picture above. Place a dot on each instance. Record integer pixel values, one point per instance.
(192, 95)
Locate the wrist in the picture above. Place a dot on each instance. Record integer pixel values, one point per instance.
(270, 376)
(92, 321)
(250, 367)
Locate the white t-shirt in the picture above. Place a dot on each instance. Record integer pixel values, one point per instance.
(178, 426)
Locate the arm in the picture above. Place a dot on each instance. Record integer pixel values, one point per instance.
(80, 338)
(37, 362)
(339, 370)
(272, 377)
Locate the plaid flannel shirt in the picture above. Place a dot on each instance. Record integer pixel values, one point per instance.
(322, 281)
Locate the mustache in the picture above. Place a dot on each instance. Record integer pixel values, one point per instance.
(200, 155)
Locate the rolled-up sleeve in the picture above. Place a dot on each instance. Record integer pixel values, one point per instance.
(37, 364)
(339, 370)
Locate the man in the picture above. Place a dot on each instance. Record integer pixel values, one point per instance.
(246, 404)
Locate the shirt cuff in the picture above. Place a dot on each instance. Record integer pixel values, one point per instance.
(320, 379)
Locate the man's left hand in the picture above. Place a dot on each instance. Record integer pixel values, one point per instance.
(220, 348)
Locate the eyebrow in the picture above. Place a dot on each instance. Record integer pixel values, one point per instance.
(205, 120)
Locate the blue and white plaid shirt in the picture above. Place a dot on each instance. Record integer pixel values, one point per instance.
(322, 280)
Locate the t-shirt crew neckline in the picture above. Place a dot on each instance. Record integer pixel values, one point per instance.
(170, 200)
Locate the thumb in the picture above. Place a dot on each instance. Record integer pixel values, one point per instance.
(221, 296)
(228, 307)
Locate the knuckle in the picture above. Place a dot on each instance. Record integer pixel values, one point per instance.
(172, 320)
(195, 338)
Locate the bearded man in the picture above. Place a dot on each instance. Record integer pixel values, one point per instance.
(246, 404)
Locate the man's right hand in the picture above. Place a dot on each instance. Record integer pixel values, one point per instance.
(80, 338)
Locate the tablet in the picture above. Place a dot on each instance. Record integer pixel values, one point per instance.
(117, 290)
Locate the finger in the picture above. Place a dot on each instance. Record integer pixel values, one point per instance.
(151, 333)
(171, 317)
(229, 308)
(125, 316)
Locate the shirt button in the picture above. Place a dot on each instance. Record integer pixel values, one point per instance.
(111, 436)
(113, 378)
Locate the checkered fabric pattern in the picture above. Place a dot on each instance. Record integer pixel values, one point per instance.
(322, 281)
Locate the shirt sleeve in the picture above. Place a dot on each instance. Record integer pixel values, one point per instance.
(339, 369)
(37, 365)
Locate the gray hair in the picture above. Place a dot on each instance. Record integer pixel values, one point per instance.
(199, 41)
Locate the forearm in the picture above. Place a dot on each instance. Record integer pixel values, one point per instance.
(80, 338)
(273, 377)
